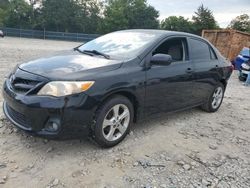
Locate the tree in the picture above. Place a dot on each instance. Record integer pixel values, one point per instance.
(204, 19)
(4, 4)
(241, 23)
(114, 16)
(129, 14)
(58, 15)
(88, 16)
(174, 23)
(142, 15)
(70, 15)
(35, 14)
(18, 14)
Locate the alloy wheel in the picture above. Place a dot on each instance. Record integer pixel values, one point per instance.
(217, 97)
(116, 122)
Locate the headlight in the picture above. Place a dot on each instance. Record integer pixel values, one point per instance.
(245, 66)
(61, 88)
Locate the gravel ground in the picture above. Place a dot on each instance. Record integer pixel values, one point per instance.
(186, 149)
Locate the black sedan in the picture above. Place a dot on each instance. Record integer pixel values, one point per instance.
(100, 88)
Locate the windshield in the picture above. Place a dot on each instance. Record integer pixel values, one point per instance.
(120, 44)
(245, 52)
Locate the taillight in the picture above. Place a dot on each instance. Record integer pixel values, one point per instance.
(232, 67)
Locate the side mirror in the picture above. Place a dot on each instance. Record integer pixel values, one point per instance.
(161, 59)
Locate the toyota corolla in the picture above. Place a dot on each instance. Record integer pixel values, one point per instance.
(102, 87)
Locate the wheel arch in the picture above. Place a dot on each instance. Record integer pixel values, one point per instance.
(224, 82)
(129, 95)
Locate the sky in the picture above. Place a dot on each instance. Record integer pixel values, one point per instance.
(224, 10)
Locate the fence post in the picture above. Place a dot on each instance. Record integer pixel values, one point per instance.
(43, 33)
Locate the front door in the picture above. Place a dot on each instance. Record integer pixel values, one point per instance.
(170, 87)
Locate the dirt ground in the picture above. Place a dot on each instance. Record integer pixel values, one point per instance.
(186, 149)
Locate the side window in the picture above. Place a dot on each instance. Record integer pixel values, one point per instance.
(175, 47)
(200, 50)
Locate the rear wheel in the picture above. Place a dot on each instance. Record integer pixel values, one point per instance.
(113, 120)
(214, 101)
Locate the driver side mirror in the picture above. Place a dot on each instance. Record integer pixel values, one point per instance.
(161, 59)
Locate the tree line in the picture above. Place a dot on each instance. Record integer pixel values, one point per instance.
(103, 16)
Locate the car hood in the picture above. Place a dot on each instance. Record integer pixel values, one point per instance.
(70, 66)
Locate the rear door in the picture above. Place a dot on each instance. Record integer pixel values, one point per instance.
(206, 67)
(170, 87)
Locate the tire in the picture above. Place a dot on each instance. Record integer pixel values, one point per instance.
(210, 105)
(242, 79)
(110, 128)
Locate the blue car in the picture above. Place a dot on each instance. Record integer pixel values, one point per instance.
(241, 58)
(244, 71)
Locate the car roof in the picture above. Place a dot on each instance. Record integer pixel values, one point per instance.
(160, 33)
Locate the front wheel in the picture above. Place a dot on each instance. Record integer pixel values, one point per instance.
(214, 101)
(113, 120)
(242, 79)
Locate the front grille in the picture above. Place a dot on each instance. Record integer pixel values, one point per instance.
(21, 85)
(18, 117)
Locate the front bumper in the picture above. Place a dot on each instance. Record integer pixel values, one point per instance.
(34, 114)
(244, 73)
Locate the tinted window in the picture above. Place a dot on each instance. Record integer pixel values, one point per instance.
(200, 50)
(175, 47)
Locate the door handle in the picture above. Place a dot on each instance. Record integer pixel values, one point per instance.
(189, 70)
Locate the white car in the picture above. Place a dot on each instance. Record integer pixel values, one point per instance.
(1, 33)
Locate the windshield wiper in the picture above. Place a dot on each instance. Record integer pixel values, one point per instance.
(97, 53)
(83, 52)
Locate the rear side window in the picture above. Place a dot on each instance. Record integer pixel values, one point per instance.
(200, 50)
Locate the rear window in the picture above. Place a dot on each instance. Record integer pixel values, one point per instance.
(200, 50)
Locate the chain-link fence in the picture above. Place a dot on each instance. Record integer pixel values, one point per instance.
(27, 33)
